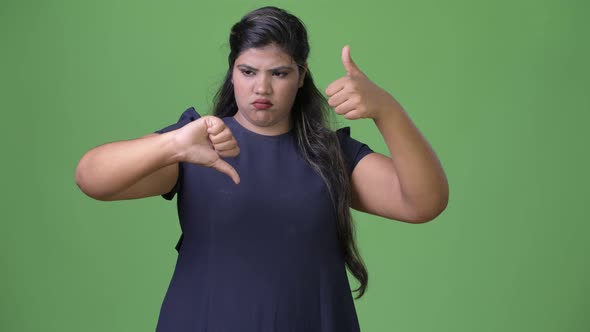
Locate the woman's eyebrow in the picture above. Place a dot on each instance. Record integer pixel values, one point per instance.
(246, 67)
(281, 68)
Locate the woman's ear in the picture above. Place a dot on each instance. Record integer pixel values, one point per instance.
(302, 74)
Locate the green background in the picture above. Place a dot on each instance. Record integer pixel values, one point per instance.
(500, 89)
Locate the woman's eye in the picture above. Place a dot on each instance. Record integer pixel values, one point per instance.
(247, 72)
(280, 74)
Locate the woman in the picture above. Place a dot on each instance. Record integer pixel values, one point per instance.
(264, 187)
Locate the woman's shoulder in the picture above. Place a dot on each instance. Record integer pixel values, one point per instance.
(189, 115)
(353, 149)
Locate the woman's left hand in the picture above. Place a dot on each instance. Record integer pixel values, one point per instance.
(355, 96)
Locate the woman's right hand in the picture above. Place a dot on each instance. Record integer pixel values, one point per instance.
(204, 141)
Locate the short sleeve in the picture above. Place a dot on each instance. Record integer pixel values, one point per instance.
(186, 117)
(352, 149)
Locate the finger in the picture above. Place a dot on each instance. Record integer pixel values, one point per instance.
(349, 65)
(353, 115)
(227, 145)
(223, 136)
(336, 86)
(339, 98)
(214, 125)
(345, 107)
(225, 168)
(229, 153)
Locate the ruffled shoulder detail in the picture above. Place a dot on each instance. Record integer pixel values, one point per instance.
(189, 115)
(353, 150)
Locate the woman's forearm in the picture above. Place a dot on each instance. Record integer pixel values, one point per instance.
(113, 167)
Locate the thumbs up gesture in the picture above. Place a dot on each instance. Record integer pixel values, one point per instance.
(355, 96)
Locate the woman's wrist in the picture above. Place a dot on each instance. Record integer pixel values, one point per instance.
(389, 110)
(175, 152)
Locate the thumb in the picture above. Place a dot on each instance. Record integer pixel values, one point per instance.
(349, 65)
(225, 168)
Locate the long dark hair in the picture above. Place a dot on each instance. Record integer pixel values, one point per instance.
(317, 143)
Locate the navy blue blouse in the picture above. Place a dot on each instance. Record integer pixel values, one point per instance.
(263, 255)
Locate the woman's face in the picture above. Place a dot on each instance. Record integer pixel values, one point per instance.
(266, 81)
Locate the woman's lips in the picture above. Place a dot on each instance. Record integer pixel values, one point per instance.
(262, 104)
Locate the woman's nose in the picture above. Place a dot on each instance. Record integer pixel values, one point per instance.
(263, 85)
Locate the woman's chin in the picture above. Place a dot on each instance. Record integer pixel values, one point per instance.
(267, 121)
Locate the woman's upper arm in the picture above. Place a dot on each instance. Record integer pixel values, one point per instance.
(376, 188)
